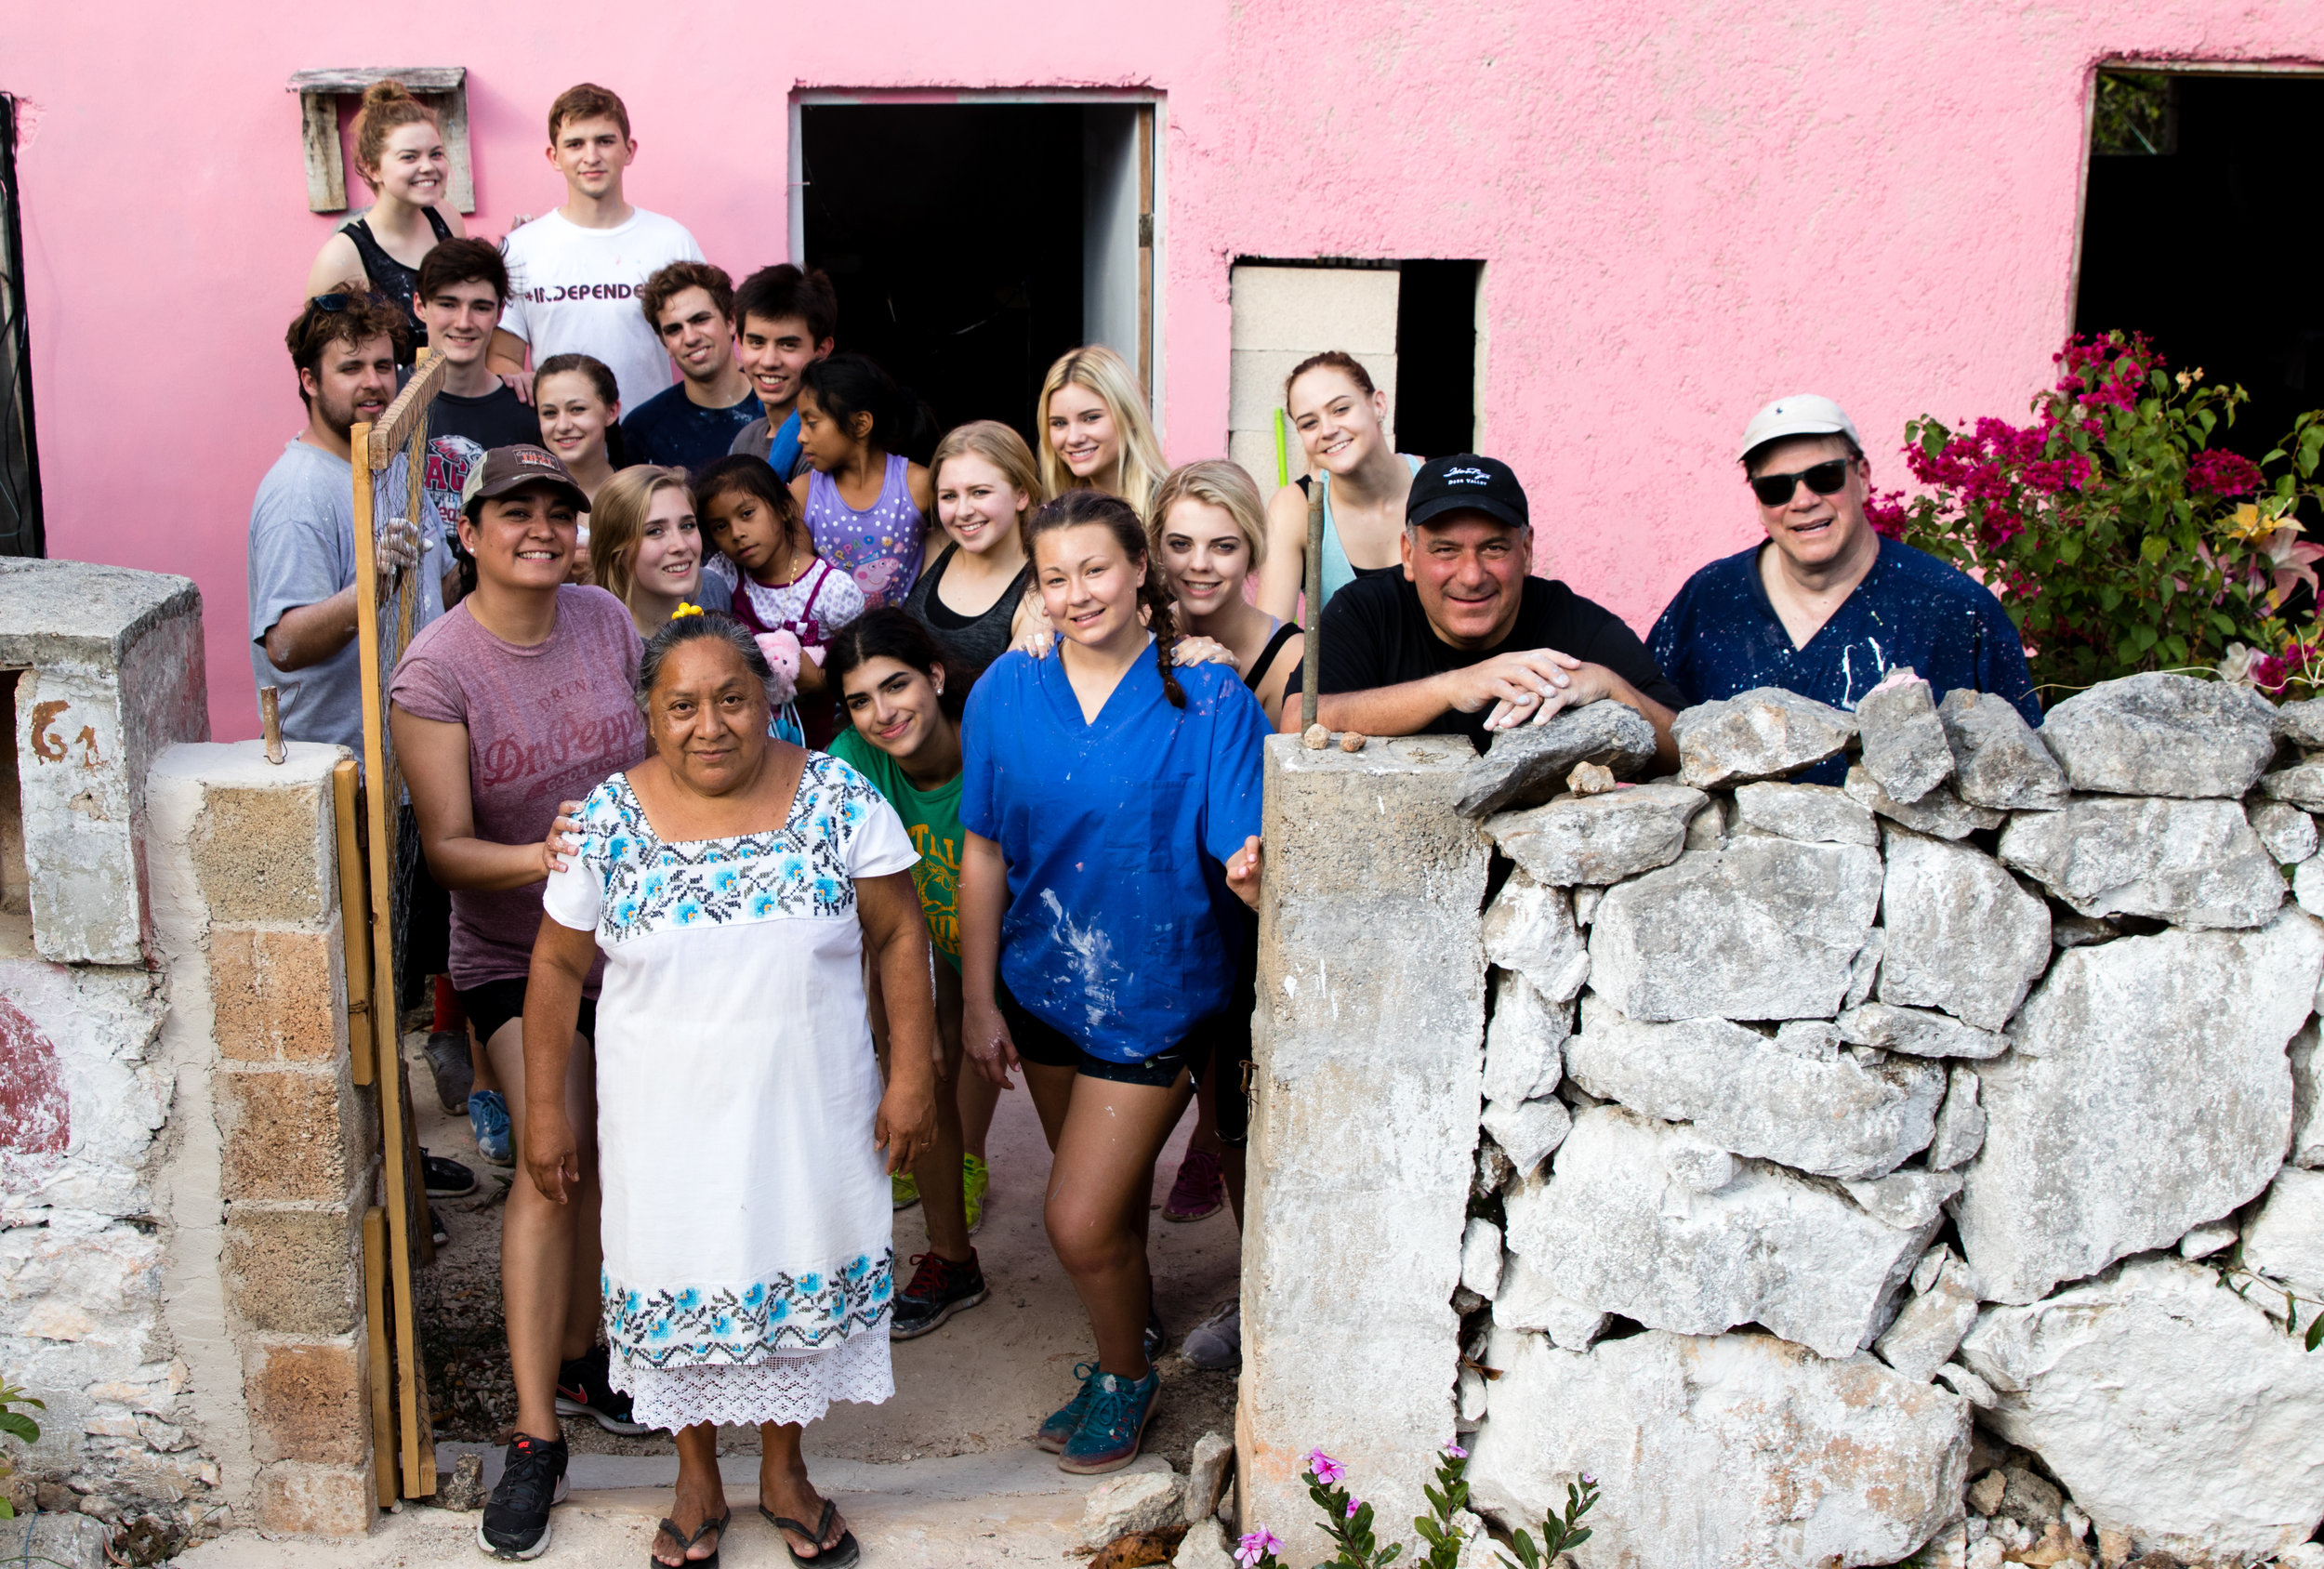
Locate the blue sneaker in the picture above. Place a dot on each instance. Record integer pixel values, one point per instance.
(1119, 1410)
(488, 1117)
(1064, 1421)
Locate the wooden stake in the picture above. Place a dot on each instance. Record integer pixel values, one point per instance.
(1310, 621)
(354, 916)
(270, 725)
(382, 1365)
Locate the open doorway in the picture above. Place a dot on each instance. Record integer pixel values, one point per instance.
(972, 242)
(2198, 230)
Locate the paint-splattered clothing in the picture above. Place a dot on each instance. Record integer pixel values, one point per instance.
(1721, 636)
(1119, 931)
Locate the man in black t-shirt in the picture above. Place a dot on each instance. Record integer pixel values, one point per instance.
(1465, 642)
(463, 286)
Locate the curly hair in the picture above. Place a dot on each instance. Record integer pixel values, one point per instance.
(362, 316)
(669, 283)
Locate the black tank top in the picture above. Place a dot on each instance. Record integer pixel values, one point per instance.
(1283, 635)
(388, 276)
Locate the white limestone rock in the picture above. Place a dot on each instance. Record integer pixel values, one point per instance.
(1527, 1131)
(1967, 1385)
(1940, 811)
(2288, 832)
(2307, 1105)
(2081, 932)
(1817, 814)
(1918, 1032)
(1836, 1115)
(1905, 748)
(1524, 1042)
(2204, 1241)
(1908, 1200)
(1586, 897)
(1622, 1236)
(2158, 734)
(2194, 864)
(1598, 839)
(1480, 1258)
(1962, 936)
(2302, 784)
(2284, 1240)
(1528, 765)
(1530, 1300)
(1122, 1506)
(1997, 759)
(1207, 1544)
(1763, 734)
(2307, 885)
(1864, 970)
(1960, 1122)
(2148, 1093)
(1928, 1326)
(1708, 828)
(2169, 1408)
(2302, 723)
(1208, 1470)
(1766, 928)
(1530, 928)
(1733, 1450)
(1697, 1164)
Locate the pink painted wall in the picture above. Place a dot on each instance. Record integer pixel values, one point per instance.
(1685, 209)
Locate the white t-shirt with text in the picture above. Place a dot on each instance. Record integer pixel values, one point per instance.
(574, 291)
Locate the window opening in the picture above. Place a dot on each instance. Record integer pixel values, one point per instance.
(328, 102)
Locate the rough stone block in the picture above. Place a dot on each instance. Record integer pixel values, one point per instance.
(1529, 928)
(1962, 936)
(2148, 1093)
(1525, 1043)
(1917, 1031)
(1733, 1450)
(289, 1134)
(1124, 1505)
(1928, 1326)
(1839, 1115)
(1480, 1258)
(2172, 1410)
(1905, 748)
(1766, 928)
(1527, 766)
(1939, 813)
(2307, 1105)
(2302, 723)
(1528, 1301)
(2158, 734)
(2194, 864)
(2301, 786)
(1763, 734)
(309, 1400)
(1618, 1233)
(301, 1499)
(1818, 814)
(1998, 759)
(1960, 1122)
(293, 1272)
(2284, 1240)
(1908, 1200)
(1527, 1131)
(2288, 832)
(265, 854)
(1208, 1470)
(1598, 839)
(278, 996)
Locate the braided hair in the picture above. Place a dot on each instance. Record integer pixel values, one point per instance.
(1077, 508)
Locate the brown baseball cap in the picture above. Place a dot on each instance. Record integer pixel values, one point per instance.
(505, 470)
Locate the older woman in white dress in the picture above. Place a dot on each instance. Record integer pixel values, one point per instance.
(735, 884)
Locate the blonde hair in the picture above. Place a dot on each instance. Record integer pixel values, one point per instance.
(999, 445)
(387, 105)
(617, 520)
(1107, 374)
(1222, 483)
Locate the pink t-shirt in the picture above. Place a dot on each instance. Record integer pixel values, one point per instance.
(545, 724)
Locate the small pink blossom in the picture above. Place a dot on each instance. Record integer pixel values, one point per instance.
(1324, 1468)
(1256, 1548)
(1354, 1504)
(1456, 1452)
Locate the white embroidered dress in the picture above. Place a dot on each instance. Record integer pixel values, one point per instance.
(749, 1257)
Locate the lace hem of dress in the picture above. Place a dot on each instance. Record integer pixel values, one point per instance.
(780, 1389)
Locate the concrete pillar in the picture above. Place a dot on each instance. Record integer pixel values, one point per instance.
(1370, 1045)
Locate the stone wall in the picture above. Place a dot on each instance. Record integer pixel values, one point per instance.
(1884, 1170)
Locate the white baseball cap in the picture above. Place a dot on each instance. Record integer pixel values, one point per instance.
(1802, 414)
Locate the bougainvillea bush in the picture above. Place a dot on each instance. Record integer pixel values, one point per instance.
(2119, 538)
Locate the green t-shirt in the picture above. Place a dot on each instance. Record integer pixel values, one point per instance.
(932, 818)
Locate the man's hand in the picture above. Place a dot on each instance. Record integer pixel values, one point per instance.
(1575, 685)
(395, 546)
(1512, 683)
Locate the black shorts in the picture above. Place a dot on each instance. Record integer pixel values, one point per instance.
(1042, 1043)
(496, 1002)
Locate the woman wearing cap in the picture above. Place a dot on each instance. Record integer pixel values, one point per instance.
(509, 707)
(1341, 421)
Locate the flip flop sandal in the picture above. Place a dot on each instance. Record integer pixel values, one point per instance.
(684, 1541)
(839, 1555)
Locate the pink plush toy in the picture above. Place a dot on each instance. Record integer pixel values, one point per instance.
(783, 651)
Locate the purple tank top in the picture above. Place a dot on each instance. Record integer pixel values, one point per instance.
(879, 548)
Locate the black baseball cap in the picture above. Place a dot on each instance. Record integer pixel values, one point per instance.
(512, 468)
(1465, 482)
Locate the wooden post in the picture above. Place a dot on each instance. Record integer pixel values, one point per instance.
(382, 1365)
(354, 916)
(270, 725)
(1312, 616)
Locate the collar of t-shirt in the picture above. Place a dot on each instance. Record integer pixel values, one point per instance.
(1847, 617)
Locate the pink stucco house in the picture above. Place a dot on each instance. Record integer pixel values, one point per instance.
(1667, 214)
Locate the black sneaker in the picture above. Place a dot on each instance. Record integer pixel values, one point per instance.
(452, 1069)
(532, 1482)
(583, 1389)
(939, 1290)
(445, 1178)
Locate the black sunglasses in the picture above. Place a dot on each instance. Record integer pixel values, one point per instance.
(1774, 490)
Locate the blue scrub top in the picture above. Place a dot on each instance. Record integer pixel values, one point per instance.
(1116, 833)
(1721, 636)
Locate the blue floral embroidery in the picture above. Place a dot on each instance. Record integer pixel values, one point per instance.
(688, 1325)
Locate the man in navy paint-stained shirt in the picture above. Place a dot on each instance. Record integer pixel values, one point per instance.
(1826, 607)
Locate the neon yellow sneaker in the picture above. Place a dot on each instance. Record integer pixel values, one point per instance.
(904, 1189)
(975, 1177)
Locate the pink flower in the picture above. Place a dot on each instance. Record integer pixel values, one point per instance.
(1354, 1504)
(1885, 511)
(1256, 1548)
(1456, 1452)
(1323, 1467)
(2223, 473)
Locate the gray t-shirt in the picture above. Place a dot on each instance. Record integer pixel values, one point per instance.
(302, 551)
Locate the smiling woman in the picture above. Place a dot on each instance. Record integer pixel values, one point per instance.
(399, 149)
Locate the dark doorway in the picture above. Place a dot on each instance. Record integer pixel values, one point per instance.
(953, 234)
(2199, 231)
(21, 527)
(1436, 357)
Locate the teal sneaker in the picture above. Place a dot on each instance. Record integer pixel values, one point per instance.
(1119, 1410)
(1064, 1421)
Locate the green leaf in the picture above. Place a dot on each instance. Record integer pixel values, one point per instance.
(17, 1425)
(2316, 1333)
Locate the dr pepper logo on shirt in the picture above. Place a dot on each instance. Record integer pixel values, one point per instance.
(562, 292)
